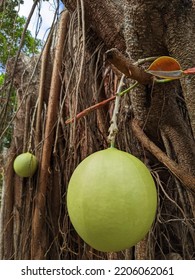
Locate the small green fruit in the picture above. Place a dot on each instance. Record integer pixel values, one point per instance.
(25, 165)
(111, 200)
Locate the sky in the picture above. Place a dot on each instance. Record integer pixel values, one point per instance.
(47, 14)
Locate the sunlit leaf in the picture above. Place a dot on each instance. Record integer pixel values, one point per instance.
(165, 67)
(165, 63)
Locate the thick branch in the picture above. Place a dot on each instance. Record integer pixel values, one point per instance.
(128, 67)
(187, 179)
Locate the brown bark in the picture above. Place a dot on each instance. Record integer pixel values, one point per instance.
(38, 223)
(181, 173)
(128, 67)
(157, 107)
(7, 244)
(105, 13)
(43, 85)
(179, 38)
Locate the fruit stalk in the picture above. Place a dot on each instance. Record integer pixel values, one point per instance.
(113, 129)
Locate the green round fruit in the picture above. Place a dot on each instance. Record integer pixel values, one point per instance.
(111, 200)
(25, 165)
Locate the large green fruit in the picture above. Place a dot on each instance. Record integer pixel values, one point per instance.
(25, 165)
(111, 200)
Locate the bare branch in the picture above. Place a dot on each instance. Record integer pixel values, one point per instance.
(128, 67)
(187, 179)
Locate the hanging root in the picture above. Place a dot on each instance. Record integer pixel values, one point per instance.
(187, 179)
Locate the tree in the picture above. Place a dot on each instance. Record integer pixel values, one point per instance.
(96, 42)
(10, 39)
(11, 30)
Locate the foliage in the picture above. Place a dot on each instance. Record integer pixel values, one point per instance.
(11, 108)
(169, 68)
(11, 28)
(2, 77)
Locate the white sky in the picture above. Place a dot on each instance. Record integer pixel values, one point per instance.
(47, 14)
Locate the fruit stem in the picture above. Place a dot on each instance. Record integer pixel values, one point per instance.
(113, 129)
(128, 89)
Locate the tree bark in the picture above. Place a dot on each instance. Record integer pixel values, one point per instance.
(38, 246)
(150, 28)
(105, 39)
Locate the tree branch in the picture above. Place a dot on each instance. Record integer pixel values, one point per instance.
(128, 67)
(90, 109)
(113, 129)
(187, 179)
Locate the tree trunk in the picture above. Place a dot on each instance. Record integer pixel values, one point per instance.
(157, 124)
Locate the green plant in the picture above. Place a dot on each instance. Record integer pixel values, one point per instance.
(11, 29)
(11, 33)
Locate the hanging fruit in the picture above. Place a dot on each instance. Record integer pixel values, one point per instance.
(111, 200)
(25, 165)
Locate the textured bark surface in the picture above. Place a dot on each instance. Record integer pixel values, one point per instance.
(179, 38)
(164, 113)
(107, 20)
